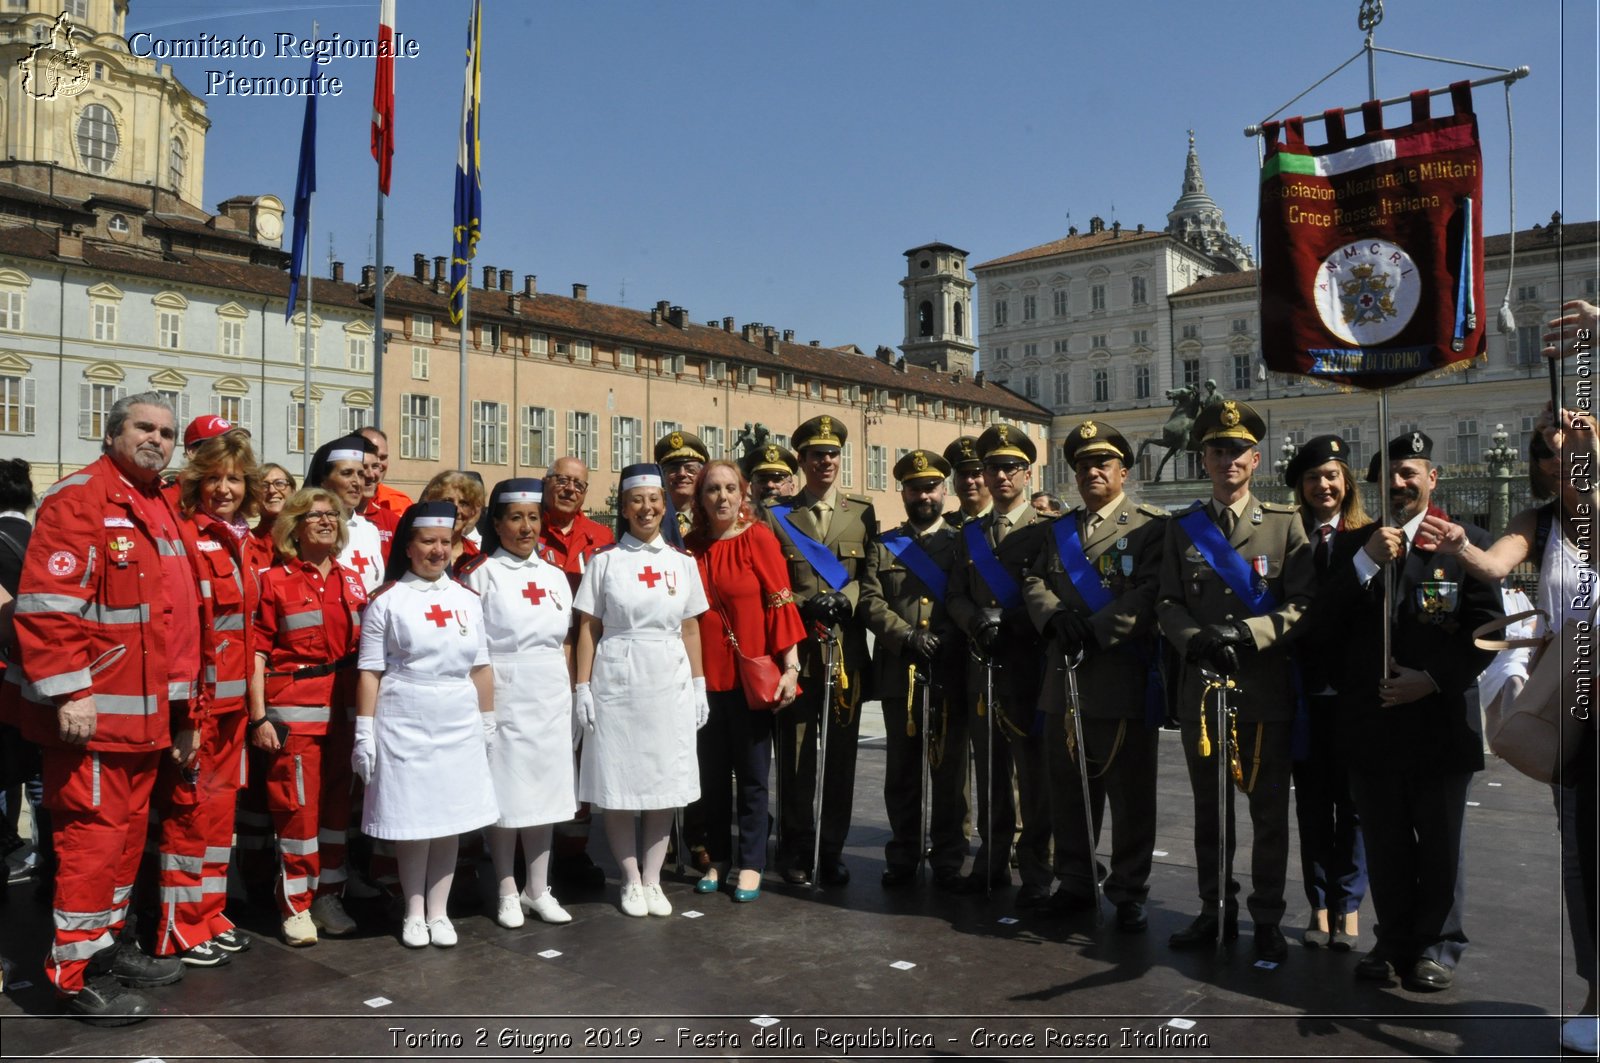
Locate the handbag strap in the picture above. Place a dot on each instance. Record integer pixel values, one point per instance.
(727, 625)
(1502, 622)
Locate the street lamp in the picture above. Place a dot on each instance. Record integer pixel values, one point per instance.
(1500, 461)
(1281, 466)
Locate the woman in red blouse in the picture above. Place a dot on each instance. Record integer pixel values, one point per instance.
(747, 584)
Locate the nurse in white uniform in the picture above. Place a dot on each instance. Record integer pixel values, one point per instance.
(640, 693)
(339, 467)
(424, 718)
(527, 612)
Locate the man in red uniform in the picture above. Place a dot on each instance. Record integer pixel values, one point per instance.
(384, 496)
(568, 539)
(108, 633)
(386, 520)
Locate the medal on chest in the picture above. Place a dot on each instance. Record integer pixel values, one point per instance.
(119, 550)
(1107, 564)
(1259, 565)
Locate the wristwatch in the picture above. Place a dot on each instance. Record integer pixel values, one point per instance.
(793, 668)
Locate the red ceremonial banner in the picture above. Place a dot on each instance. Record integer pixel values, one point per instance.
(1372, 246)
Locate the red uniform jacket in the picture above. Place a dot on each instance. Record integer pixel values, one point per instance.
(89, 616)
(570, 552)
(303, 628)
(233, 589)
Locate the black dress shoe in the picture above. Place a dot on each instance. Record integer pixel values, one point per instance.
(796, 876)
(133, 968)
(834, 873)
(1429, 976)
(1031, 896)
(102, 1002)
(1202, 933)
(896, 876)
(1131, 918)
(1373, 967)
(1270, 944)
(947, 879)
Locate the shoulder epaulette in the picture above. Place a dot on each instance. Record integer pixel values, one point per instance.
(1277, 507)
(472, 564)
(860, 500)
(1152, 511)
(680, 550)
(603, 549)
(381, 590)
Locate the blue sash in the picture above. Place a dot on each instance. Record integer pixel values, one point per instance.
(1004, 588)
(908, 551)
(1084, 578)
(830, 568)
(1226, 562)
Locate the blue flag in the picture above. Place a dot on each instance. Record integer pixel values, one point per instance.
(305, 183)
(469, 191)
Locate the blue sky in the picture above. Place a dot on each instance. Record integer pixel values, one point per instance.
(772, 161)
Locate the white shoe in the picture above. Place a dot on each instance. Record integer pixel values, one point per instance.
(633, 902)
(299, 930)
(656, 901)
(546, 907)
(442, 933)
(1580, 1034)
(327, 911)
(414, 934)
(509, 914)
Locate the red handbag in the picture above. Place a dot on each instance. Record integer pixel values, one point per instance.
(758, 676)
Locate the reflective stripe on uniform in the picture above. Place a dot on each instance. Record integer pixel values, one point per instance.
(51, 685)
(181, 894)
(71, 481)
(127, 704)
(299, 713)
(296, 621)
(65, 920)
(218, 854)
(177, 862)
(94, 791)
(179, 690)
(80, 950)
(234, 688)
(229, 622)
(332, 837)
(84, 608)
(331, 876)
(215, 884)
(205, 588)
(292, 886)
(169, 547)
(298, 846)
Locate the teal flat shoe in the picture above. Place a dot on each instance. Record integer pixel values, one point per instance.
(707, 885)
(746, 895)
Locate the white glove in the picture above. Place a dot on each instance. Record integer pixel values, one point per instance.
(490, 728)
(364, 755)
(702, 707)
(582, 713)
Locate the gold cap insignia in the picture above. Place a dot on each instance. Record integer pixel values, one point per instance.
(1000, 431)
(966, 449)
(675, 440)
(1088, 431)
(919, 461)
(771, 453)
(1230, 413)
(825, 426)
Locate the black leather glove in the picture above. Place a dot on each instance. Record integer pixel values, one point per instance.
(1073, 631)
(1223, 659)
(987, 632)
(814, 610)
(923, 645)
(1229, 633)
(828, 608)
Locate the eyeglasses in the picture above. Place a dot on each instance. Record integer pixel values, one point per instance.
(689, 465)
(322, 515)
(567, 481)
(1006, 470)
(277, 485)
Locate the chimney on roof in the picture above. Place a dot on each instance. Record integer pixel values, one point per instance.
(505, 280)
(419, 268)
(68, 245)
(772, 343)
(748, 332)
(530, 284)
(439, 274)
(788, 335)
(900, 364)
(884, 355)
(955, 378)
(580, 292)
(768, 331)
(727, 324)
(1140, 229)
(1097, 224)
(662, 306)
(977, 378)
(514, 303)
(338, 272)
(816, 343)
(489, 274)
(369, 276)
(1116, 229)
(678, 316)
(1555, 225)
(1072, 230)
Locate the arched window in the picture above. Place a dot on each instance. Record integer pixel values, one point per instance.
(925, 319)
(175, 164)
(97, 138)
(960, 315)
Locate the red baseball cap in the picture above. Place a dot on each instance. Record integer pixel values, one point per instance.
(206, 427)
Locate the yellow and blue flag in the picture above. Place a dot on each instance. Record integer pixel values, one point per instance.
(469, 190)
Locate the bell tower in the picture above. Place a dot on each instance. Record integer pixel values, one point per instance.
(938, 296)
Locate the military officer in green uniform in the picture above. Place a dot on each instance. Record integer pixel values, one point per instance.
(985, 601)
(681, 457)
(1236, 578)
(766, 469)
(902, 603)
(966, 478)
(1092, 590)
(825, 535)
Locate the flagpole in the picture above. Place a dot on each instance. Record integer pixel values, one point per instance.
(461, 411)
(377, 327)
(305, 355)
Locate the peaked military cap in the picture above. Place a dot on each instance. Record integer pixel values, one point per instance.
(681, 446)
(1313, 452)
(921, 465)
(824, 431)
(770, 458)
(1229, 420)
(1006, 441)
(1095, 437)
(1416, 444)
(963, 453)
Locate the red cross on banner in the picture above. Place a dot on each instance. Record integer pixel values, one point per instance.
(437, 615)
(649, 576)
(533, 593)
